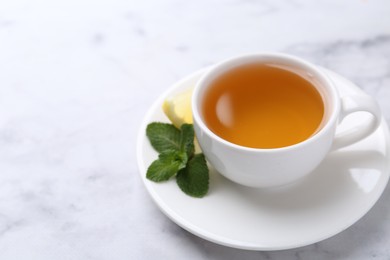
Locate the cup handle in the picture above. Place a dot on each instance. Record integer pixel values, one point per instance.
(352, 104)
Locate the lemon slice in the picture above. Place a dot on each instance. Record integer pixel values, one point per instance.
(178, 108)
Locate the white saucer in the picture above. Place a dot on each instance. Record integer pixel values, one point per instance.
(332, 198)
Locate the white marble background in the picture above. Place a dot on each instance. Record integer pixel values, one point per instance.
(76, 79)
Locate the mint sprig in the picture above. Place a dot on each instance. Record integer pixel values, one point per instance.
(177, 158)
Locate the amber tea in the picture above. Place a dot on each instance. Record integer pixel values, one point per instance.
(262, 106)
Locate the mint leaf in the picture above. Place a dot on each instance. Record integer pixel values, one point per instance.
(167, 165)
(164, 137)
(194, 179)
(187, 139)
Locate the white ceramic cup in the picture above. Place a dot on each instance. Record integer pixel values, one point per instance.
(274, 167)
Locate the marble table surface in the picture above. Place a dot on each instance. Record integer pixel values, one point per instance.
(76, 79)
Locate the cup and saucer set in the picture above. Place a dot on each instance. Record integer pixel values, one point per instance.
(274, 199)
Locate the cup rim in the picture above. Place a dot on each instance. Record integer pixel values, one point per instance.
(258, 57)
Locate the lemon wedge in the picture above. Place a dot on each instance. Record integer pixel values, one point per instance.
(178, 108)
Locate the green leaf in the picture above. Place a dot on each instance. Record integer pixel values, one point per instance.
(167, 165)
(194, 179)
(164, 137)
(187, 139)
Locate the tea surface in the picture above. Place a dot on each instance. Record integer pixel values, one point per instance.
(262, 106)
